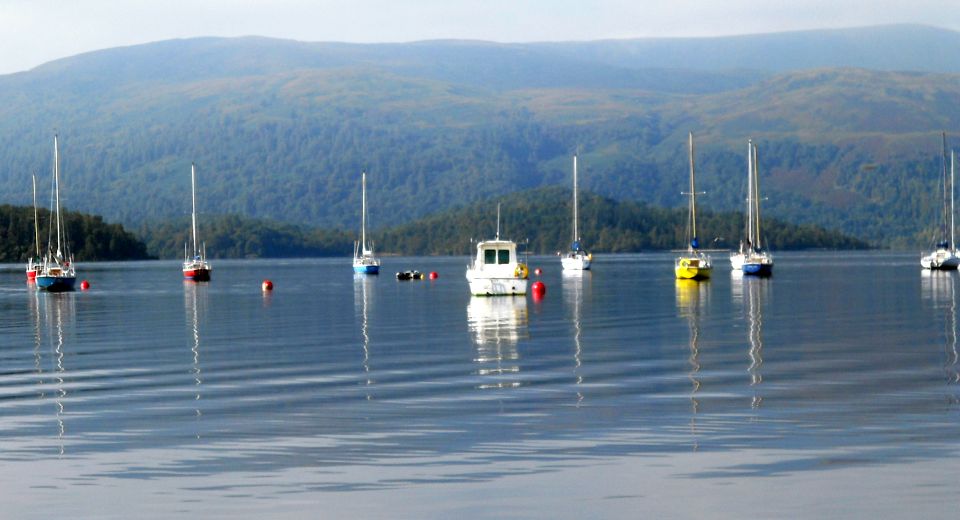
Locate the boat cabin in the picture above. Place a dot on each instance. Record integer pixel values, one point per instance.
(496, 252)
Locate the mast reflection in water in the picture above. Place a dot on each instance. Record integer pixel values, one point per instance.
(195, 306)
(750, 292)
(58, 316)
(693, 297)
(362, 302)
(940, 290)
(573, 288)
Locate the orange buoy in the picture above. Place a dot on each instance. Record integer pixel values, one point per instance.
(538, 289)
(84, 285)
(538, 271)
(434, 275)
(267, 285)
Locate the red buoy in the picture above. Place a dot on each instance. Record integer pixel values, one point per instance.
(538, 289)
(434, 275)
(267, 285)
(538, 271)
(84, 285)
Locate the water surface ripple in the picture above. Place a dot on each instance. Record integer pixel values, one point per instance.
(822, 391)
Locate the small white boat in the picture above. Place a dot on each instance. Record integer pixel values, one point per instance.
(496, 270)
(752, 258)
(945, 257)
(577, 259)
(693, 264)
(364, 261)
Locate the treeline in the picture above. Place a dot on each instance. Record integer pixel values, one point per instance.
(89, 237)
(542, 218)
(232, 236)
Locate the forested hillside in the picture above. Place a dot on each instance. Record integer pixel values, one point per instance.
(89, 237)
(281, 130)
(540, 218)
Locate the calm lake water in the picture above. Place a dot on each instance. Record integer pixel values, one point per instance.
(828, 390)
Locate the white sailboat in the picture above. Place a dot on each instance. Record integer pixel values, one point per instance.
(496, 270)
(364, 261)
(752, 258)
(195, 266)
(577, 259)
(694, 264)
(945, 256)
(57, 272)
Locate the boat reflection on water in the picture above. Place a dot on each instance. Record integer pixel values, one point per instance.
(939, 288)
(55, 314)
(498, 324)
(750, 292)
(693, 297)
(362, 303)
(195, 306)
(574, 284)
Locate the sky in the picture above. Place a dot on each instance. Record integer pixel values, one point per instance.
(37, 31)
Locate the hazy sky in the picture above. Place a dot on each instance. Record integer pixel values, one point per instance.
(37, 31)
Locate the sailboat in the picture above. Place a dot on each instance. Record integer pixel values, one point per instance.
(944, 257)
(693, 264)
(35, 263)
(195, 266)
(57, 272)
(752, 258)
(364, 260)
(496, 271)
(577, 259)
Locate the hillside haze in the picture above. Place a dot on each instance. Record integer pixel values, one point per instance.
(847, 123)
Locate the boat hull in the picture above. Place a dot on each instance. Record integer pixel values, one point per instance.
(693, 268)
(757, 264)
(757, 269)
(576, 262)
(482, 286)
(197, 275)
(941, 260)
(366, 269)
(692, 273)
(56, 283)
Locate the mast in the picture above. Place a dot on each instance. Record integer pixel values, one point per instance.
(575, 235)
(498, 221)
(749, 194)
(943, 176)
(756, 196)
(953, 244)
(693, 199)
(193, 192)
(36, 218)
(56, 188)
(363, 211)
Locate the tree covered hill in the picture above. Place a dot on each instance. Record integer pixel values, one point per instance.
(281, 130)
(539, 217)
(90, 238)
(542, 219)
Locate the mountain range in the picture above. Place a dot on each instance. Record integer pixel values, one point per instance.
(847, 123)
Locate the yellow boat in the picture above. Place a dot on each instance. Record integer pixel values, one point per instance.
(694, 264)
(696, 267)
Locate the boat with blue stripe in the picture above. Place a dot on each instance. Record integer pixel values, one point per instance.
(364, 261)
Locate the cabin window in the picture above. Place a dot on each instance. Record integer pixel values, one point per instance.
(490, 256)
(503, 256)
